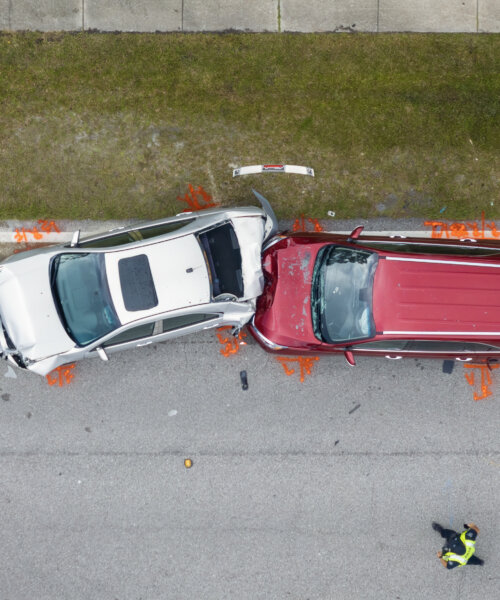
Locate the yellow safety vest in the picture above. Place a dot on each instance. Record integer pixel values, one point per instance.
(462, 559)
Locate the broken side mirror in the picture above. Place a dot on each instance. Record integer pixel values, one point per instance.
(101, 353)
(349, 356)
(355, 233)
(75, 239)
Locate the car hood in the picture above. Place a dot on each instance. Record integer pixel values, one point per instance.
(284, 310)
(435, 296)
(27, 309)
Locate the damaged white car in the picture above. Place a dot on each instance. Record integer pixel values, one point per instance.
(133, 286)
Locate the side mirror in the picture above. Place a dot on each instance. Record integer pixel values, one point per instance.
(349, 356)
(355, 233)
(101, 353)
(75, 239)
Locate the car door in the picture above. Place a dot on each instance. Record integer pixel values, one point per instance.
(145, 334)
(132, 337)
(175, 326)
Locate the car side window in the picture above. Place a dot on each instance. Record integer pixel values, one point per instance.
(115, 239)
(134, 333)
(155, 230)
(134, 235)
(181, 321)
(429, 248)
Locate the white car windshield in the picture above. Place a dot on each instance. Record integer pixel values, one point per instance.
(81, 295)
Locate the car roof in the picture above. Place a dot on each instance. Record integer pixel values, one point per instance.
(177, 271)
(426, 295)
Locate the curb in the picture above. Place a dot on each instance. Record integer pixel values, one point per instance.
(61, 237)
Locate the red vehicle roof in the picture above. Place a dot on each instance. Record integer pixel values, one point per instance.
(424, 295)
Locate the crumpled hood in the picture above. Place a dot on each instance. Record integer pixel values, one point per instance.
(250, 234)
(27, 309)
(284, 310)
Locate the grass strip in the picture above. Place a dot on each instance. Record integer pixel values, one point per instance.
(107, 126)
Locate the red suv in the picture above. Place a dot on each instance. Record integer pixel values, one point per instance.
(383, 296)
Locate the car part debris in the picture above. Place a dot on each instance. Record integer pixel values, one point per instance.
(244, 380)
(253, 169)
(448, 366)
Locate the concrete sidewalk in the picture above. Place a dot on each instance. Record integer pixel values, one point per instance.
(256, 16)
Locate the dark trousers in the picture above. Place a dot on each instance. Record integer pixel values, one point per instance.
(449, 534)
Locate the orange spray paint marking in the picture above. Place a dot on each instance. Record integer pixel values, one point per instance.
(302, 224)
(305, 363)
(484, 382)
(48, 226)
(230, 342)
(21, 235)
(475, 230)
(197, 199)
(61, 375)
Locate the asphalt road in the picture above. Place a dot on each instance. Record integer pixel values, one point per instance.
(324, 489)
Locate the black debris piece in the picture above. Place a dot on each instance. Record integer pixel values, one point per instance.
(448, 366)
(244, 380)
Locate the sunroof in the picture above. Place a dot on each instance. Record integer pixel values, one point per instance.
(137, 284)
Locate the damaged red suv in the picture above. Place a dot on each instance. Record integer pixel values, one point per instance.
(383, 296)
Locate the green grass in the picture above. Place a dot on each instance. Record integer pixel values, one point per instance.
(116, 125)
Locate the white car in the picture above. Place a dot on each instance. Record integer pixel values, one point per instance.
(133, 286)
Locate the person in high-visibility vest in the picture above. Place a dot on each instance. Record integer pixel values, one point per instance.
(459, 548)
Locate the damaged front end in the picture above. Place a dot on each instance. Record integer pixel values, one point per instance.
(8, 351)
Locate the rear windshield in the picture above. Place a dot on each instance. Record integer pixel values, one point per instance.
(81, 295)
(222, 253)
